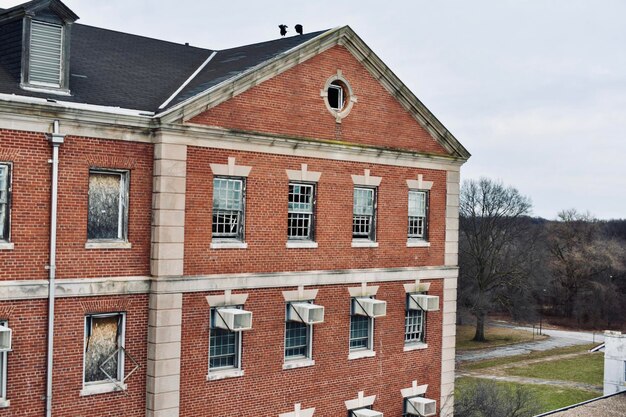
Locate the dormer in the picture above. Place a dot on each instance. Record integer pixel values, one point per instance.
(45, 47)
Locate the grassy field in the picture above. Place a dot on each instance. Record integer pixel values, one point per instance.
(547, 397)
(471, 366)
(496, 336)
(588, 369)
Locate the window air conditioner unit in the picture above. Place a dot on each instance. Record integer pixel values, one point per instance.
(369, 307)
(306, 313)
(419, 406)
(233, 319)
(5, 338)
(366, 412)
(423, 302)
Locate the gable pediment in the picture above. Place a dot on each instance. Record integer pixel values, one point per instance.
(286, 97)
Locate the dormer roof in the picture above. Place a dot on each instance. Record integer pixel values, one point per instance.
(40, 7)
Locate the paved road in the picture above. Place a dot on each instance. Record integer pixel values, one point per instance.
(558, 338)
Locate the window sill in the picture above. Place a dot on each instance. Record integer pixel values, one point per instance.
(358, 243)
(302, 244)
(101, 389)
(229, 245)
(7, 246)
(5, 403)
(417, 243)
(108, 245)
(226, 373)
(358, 354)
(415, 346)
(298, 363)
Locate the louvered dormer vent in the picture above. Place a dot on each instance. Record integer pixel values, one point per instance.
(46, 54)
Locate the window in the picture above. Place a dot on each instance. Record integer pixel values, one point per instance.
(3, 370)
(104, 348)
(45, 55)
(418, 209)
(297, 340)
(300, 216)
(228, 208)
(361, 326)
(364, 214)
(5, 200)
(414, 326)
(336, 95)
(108, 205)
(224, 345)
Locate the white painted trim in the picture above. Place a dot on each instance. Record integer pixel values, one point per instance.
(363, 243)
(108, 245)
(300, 294)
(360, 401)
(85, 287)
(191, 77)
(223, 374)
(301, 244)
(417, 243)
(5, 403)
(12, 98)
(226, 299)
(228, 245)
(414, 390)
(366, 179)
(364, 290)
(102, 388)
(298, 363)
(231, 169)
(409, 347)
(7, 245)
(303, 174)
(419, 183)
(359, 354)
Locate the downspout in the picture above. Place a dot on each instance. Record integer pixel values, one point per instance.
(55, 139)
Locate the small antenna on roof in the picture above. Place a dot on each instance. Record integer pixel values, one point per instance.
(299, 29)
(283, 29)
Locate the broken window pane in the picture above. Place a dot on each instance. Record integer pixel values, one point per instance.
(107, 205)
(228, 206)
(4, 201)
(335, 95)
(102, 341)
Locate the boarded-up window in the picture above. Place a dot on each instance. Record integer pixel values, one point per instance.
(103, 339)
(108, 208)
(5, 186)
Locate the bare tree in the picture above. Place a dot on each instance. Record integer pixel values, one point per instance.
(488, 399)
(583, 264)
(494, 246)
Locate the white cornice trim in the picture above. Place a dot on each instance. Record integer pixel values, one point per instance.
(108, 286)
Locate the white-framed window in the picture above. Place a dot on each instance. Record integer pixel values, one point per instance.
(336, 95)
(5, 201)
(361, 328)
(418, 215)
(300, 212)
(228, 208)
(364, 214)
(108, 205)
(300, 316)
(104, 349)
(414, 324)
(4, 355)
(224, 344)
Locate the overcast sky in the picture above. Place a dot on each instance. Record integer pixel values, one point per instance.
(534, 89)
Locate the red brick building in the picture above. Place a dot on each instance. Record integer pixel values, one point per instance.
(266, 230)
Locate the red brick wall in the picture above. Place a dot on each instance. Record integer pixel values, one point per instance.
(290, 104)
(30, 209)
(266, 217)
(27, 362)
(326, 385)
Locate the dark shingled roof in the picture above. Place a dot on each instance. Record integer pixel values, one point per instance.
(118, 69)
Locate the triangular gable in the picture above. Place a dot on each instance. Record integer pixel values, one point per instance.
(341, 39)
